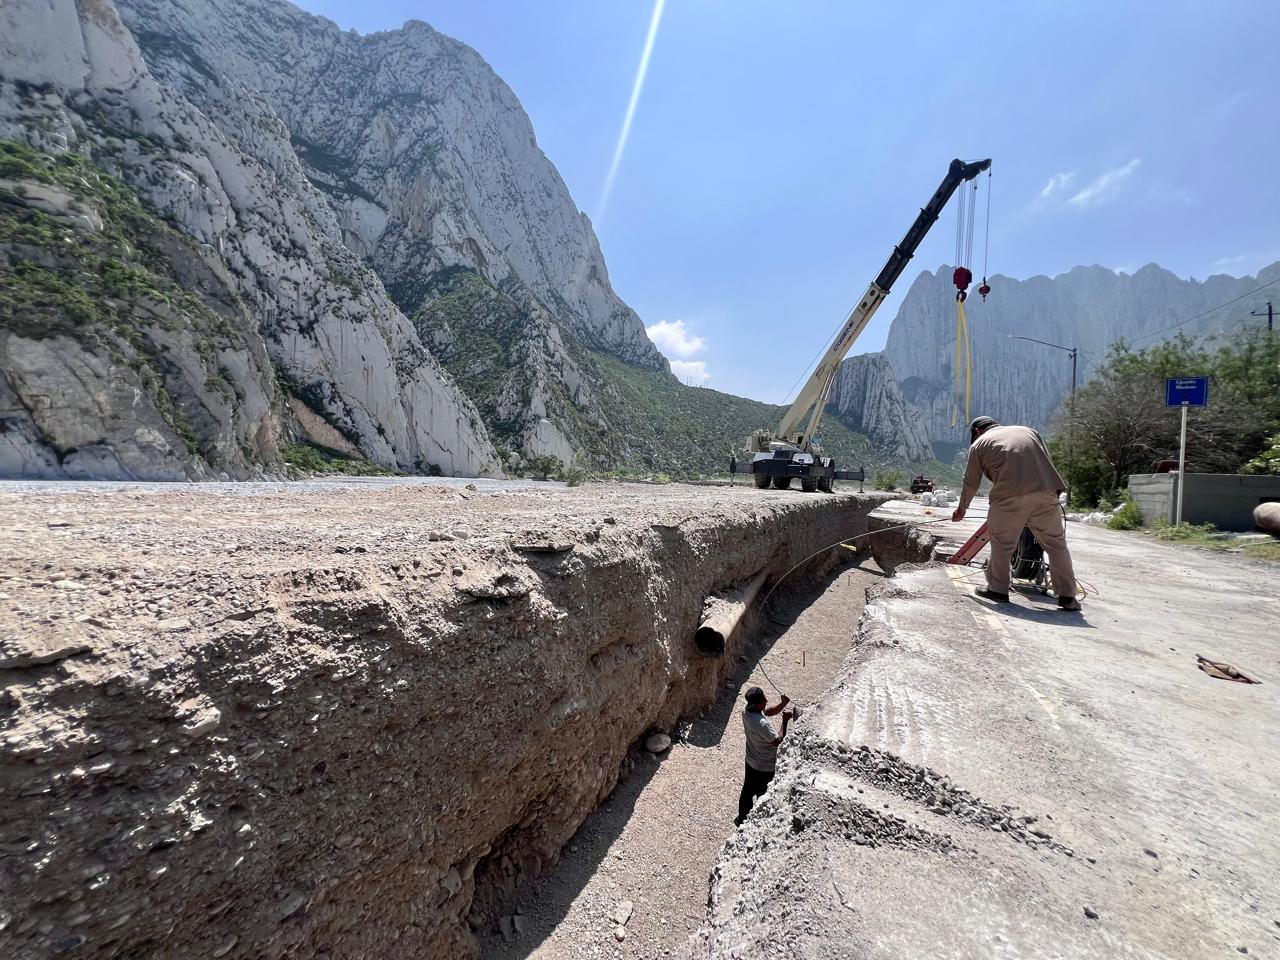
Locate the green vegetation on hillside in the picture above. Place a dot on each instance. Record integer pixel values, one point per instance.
(67, 277)
(479, 336)
(636, 420)
(81, 257)
(658, 423)
(308, 458)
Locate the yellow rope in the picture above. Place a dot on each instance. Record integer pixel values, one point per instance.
(962, 354)
(968, 362)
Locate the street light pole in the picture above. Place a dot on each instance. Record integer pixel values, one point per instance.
(1071, 407)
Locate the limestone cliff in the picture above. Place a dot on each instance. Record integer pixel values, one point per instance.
(430, 168)
(239, 223)
(867, 399)
(1088, 307)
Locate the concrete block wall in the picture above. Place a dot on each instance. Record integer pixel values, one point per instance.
(1224, 499)
(1154, 495)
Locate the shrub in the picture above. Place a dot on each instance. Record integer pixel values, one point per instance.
(1165, 530)
(1268, 461)
(1128, 517)
(307, 458)
(886, 479)
(572, 476)
(545, 467)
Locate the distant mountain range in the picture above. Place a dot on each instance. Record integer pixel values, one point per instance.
(1016, 381)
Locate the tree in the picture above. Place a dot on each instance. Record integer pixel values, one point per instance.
(1121, 425)
(1268, 461)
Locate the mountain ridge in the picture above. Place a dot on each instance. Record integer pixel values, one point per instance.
(1089, 307)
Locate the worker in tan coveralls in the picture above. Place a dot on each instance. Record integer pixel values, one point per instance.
(1024, 493)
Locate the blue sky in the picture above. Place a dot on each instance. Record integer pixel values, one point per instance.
(779, 150)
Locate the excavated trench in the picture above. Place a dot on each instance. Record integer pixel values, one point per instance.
(365, 744)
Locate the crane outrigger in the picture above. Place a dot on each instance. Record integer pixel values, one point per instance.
(789, 452)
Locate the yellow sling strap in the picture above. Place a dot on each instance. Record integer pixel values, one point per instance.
(962, 346)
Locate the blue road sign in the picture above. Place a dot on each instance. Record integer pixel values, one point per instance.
(1186, 391)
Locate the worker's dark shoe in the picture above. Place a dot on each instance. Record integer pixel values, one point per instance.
(992, 595)
(1068, 603)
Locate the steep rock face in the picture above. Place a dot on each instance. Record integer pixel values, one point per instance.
(1020, 382)
(429, 166)
(867, 399)
(74, 84)
(124, 351)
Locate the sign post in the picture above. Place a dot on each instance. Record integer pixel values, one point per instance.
(1184, 392)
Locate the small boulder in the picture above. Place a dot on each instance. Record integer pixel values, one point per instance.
(658, 743)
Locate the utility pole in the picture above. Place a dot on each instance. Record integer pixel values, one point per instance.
(1071, 407)
(1270, 315)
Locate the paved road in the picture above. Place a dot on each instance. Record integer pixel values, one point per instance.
(1158, 787)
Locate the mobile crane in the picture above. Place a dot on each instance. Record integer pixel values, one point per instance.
(789, 451)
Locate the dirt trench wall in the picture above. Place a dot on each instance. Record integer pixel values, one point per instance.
(893, 545)
(320, 749)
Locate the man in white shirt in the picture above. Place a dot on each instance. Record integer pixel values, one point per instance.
(762, 746)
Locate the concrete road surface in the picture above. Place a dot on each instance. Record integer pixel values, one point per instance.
(1016, 781)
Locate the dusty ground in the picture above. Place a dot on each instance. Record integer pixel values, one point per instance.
(1008, 780)
(341, 719)
(655, 840)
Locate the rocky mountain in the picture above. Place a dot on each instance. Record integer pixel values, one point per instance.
(867, 399)
(433, 173)
(179, 303)
(299, 213)
(1020, 382)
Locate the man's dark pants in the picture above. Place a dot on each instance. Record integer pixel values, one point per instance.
(756, 782)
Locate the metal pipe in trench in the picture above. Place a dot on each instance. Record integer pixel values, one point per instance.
(724, 613)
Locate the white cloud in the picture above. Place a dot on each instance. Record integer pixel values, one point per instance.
(1245, 264)
(1106, 186)
(690, 370)
(1057, 183)
(673, 338)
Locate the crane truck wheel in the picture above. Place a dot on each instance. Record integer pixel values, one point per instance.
(761, 479)
(808, 484)
(824, 484)
(781, 483)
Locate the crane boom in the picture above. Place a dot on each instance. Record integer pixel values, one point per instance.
(789, 451)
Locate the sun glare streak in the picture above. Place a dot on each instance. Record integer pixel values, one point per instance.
(631, 110)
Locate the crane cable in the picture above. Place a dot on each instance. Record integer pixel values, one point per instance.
(963, 276)
(967, 204)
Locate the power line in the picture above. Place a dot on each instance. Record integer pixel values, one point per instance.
(1183, 323)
